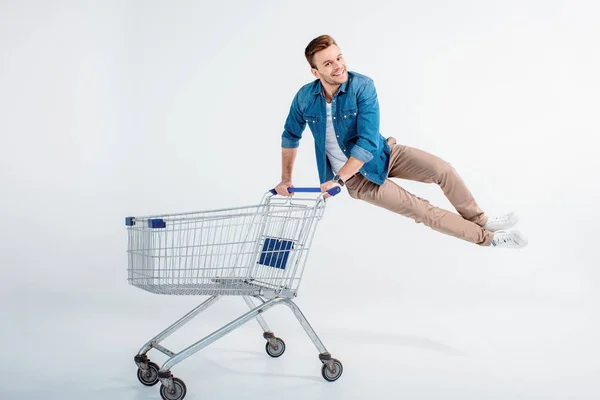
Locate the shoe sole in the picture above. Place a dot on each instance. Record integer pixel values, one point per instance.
(520, 239)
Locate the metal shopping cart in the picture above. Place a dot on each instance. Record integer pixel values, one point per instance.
(256, 252)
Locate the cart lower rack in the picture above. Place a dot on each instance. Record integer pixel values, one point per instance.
(256, 252)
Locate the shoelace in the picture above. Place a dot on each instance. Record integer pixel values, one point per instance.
(505, 238)
(498, 220)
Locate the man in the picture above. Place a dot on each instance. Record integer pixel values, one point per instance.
(342, 111)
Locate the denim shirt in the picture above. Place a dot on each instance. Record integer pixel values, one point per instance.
(355, 117)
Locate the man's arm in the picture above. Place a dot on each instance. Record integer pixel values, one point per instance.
(288, 157)
(290, 140)
(294, 126)
(352, 166)
(367, 123)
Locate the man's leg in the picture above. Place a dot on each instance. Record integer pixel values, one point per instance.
(417, 165)
(394, 198)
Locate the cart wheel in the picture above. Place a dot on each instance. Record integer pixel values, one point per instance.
(277, 349)
(150, 376)
(330, 375)
(178, 392)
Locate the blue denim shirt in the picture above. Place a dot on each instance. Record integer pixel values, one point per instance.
(355, 113)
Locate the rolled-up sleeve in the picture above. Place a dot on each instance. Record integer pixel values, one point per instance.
(367, 123)
(294, 126)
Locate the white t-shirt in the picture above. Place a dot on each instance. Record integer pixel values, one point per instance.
(336, 156)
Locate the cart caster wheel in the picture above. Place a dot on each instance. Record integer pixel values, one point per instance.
(177, 393)
(277, 349)
(330, 375)
(150, 376)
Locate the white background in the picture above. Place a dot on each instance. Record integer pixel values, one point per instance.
(118, 108)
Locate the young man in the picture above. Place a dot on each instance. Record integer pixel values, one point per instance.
(342, 111)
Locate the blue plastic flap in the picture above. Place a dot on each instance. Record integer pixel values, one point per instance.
(275, 252)
(130, 221)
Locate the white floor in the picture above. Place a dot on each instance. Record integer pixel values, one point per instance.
(410, 313)
(76, 346)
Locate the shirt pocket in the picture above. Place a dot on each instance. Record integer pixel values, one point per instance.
(312, 121)
(348, 117)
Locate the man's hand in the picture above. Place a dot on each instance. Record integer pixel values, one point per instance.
(282, 188)
(326, 186)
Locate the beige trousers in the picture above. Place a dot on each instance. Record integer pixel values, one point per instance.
(416, 165)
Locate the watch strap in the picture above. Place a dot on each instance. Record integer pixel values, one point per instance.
(339, 180)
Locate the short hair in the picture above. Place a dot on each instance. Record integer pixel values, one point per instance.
(317, 44)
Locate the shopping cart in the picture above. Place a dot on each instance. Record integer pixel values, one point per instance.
(257, 251)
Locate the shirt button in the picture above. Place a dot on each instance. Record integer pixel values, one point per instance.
(333, 117)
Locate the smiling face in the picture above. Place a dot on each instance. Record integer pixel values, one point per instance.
(330, 67)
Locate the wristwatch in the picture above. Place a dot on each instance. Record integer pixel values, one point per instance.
(338, 180)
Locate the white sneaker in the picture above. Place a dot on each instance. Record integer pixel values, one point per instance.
(501, 223)
(510, 239)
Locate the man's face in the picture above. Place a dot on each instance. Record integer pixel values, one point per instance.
(331, 66)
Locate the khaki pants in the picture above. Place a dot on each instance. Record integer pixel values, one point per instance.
(416, 165)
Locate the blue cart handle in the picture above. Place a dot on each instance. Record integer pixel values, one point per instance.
(333, 191)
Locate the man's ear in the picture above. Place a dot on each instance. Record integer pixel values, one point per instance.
(315, 72)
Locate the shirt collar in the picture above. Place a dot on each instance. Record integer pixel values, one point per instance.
(319, 88)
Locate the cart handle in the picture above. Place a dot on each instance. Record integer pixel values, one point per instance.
(333, 191)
